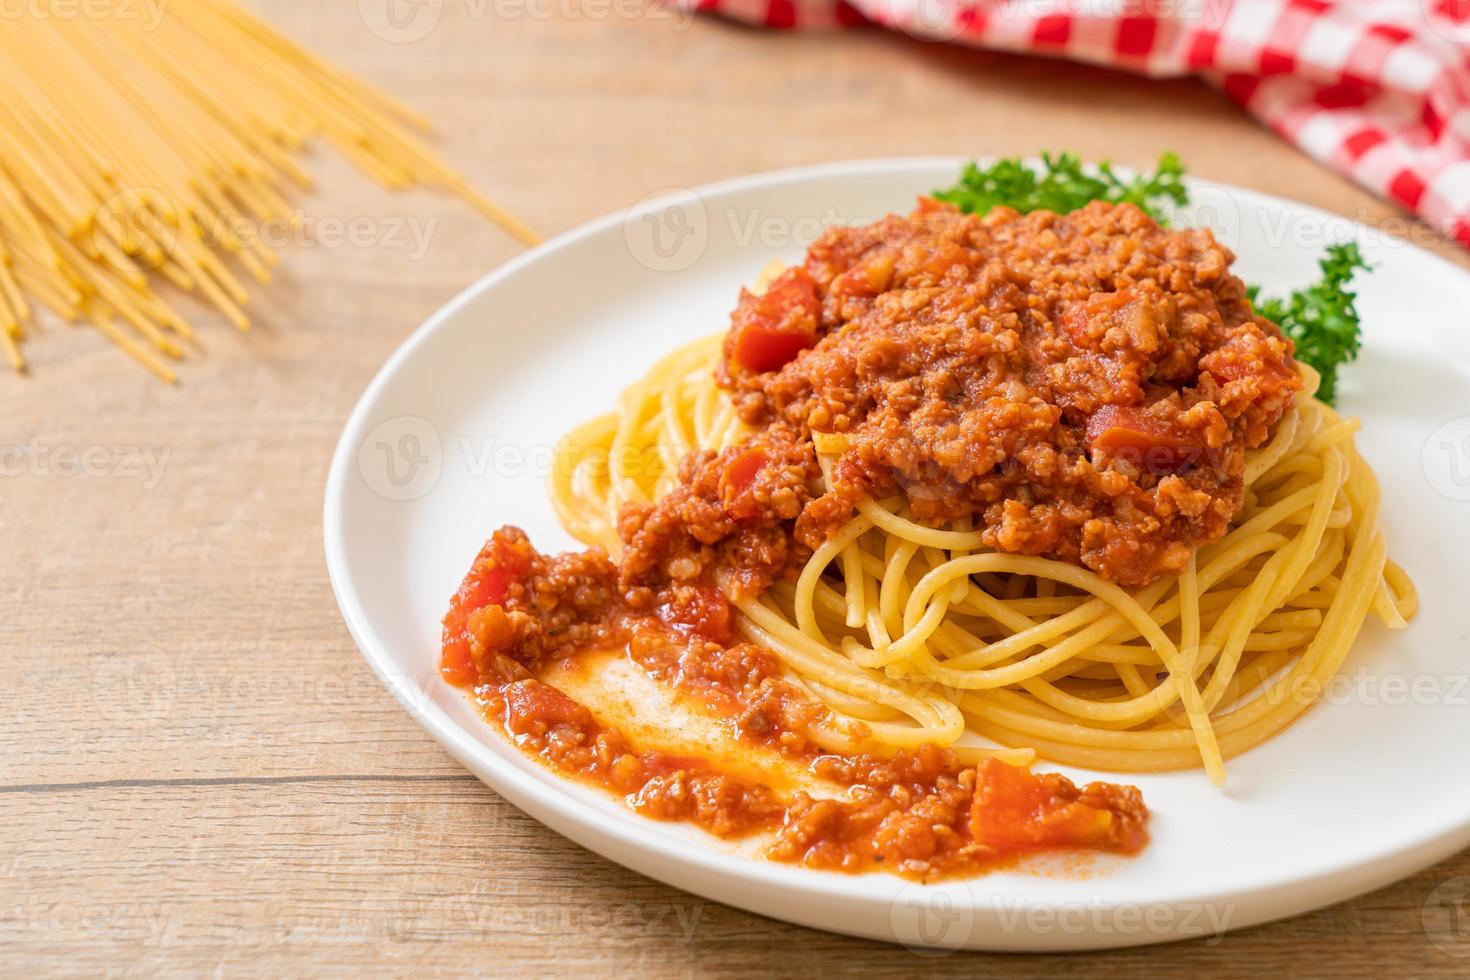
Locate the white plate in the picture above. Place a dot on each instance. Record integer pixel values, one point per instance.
(452, 439)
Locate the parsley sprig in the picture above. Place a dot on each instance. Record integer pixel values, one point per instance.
(1064, 184)
(1321, 318)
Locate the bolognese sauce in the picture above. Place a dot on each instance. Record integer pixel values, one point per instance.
(1082, 387)
(921, 814)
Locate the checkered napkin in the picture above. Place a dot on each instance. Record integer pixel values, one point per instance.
(1376, 89)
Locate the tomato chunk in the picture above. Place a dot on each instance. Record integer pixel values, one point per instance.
(867, 278)
(771, 329)
(532, 709)
(1017, 810)
(500, 562)
(740, 473)
(696, 610)
(1249, 356)
(1143, 440)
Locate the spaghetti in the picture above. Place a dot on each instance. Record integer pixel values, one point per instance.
(912, 634)
(133, 151)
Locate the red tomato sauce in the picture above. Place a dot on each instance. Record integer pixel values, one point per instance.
(1083, 386)
(920, 814)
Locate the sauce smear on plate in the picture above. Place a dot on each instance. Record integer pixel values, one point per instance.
(921, 814)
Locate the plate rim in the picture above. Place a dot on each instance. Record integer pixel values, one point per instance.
(549, 791)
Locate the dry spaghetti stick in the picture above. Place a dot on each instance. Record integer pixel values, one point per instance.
(125, 156)
(274, 155)
(131, 347)
(175, 274)
(210, 263)
(47, 283)
(9, 325)
(164, 314)
(12, 350)
(10, 289)
(264, 35)
(119, 300)
(17, 217)
(47, 286)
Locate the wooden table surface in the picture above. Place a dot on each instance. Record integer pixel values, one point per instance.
(200, 773)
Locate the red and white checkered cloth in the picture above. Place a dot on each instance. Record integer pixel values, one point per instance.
(1377, 89)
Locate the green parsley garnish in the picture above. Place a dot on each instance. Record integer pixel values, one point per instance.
(1065, 184)
(1322, 318)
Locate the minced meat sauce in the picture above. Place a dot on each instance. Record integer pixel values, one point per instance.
(1084, 386)
(1081, 386)
(920, 814)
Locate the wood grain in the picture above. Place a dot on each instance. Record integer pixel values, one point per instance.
(199, 772)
